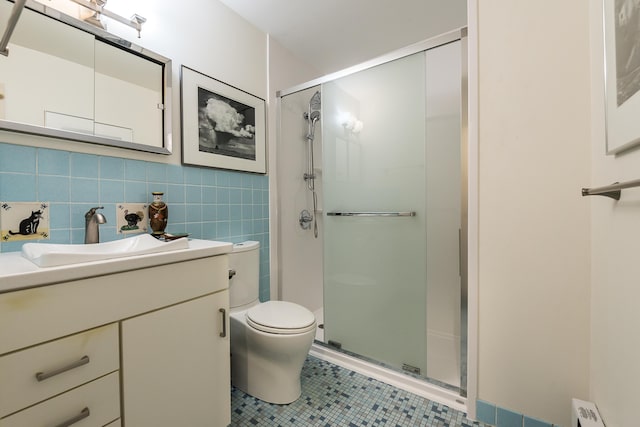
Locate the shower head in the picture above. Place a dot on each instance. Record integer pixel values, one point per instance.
(314, 104)
(313, 118)
(313, 115)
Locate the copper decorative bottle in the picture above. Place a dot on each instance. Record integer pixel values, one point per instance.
(158, 214)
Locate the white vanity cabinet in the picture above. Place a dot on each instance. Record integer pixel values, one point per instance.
(133, 348)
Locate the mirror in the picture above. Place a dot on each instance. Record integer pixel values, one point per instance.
(65, 78)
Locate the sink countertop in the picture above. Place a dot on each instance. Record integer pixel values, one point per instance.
(17, 272)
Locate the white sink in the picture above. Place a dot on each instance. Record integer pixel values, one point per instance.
(51, 254)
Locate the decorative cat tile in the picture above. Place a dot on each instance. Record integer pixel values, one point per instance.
(24, 221)
(131, 218)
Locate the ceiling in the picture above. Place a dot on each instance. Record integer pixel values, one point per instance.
(330, 35)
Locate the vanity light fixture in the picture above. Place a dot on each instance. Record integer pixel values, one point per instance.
(97, 6)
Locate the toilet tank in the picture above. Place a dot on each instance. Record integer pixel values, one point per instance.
(244, 285)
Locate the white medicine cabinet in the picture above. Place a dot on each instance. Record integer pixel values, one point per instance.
(67, 79)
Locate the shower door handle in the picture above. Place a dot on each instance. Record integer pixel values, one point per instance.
(369, 214)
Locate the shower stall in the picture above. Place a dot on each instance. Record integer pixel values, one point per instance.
(372, 235)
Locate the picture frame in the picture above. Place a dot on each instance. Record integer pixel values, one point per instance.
(621, 31)
(222, 126)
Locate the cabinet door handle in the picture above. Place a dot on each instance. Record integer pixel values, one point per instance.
(223, 334)
(41, 376)
(81, 416)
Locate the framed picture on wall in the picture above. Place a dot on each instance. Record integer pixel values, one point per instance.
(222, 126)
(622, 74)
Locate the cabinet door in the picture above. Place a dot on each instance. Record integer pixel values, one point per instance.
(175, 365)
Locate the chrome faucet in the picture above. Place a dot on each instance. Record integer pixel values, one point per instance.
(91, 221)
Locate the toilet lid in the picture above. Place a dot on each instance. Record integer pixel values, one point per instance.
(281, 317)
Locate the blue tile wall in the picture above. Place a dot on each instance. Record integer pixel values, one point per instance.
(500, 417)
(486, 412)
(207, 203)
(532, 422)
(507, 418)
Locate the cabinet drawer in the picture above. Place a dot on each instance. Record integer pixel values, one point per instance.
(94, 405)
(37, 373)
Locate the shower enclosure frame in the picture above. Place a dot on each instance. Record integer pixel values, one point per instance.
(422, 386)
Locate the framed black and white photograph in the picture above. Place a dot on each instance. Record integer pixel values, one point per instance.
(622, 73)
(222, 126)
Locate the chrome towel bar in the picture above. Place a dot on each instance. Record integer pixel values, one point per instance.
(612, 190)
(412, 213)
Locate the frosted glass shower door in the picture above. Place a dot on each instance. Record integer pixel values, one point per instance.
(374, 162)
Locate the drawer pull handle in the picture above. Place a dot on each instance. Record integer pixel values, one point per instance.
(223, 334)
(81, 416)
(41, 376)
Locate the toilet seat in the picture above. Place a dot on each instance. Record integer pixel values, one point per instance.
(281, 317)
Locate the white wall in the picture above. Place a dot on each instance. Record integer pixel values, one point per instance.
(615, 295)
(534, 243)
(286, 71)
(300, 254)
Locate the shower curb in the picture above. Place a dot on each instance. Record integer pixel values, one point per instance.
(396, 379)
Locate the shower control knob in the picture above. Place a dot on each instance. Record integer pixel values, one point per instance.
(305, 219)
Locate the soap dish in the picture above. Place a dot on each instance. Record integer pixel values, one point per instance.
(168, 237)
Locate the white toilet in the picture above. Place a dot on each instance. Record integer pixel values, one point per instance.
(270, 340)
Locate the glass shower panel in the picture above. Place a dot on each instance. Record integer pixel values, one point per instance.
(444, 213)
(374, 161)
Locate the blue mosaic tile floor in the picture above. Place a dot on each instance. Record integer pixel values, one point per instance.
(334, 396)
